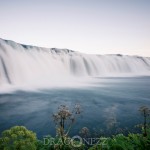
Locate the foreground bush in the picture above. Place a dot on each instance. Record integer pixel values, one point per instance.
(121, 142)
(18, 138)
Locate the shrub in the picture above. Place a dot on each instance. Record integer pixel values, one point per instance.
(18, 138)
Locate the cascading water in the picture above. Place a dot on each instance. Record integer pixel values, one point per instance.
(23, 64)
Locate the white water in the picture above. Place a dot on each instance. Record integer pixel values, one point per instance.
(22, 65)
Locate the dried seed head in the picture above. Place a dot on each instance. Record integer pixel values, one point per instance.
(144, 110)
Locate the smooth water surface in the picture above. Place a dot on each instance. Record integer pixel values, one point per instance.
(106, 103)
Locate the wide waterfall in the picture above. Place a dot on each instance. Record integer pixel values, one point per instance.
(23, 64)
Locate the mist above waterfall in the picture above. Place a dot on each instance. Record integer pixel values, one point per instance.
(24, 65)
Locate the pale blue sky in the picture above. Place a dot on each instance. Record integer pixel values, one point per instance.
(89, 26)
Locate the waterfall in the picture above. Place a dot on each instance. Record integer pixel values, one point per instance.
(23, 64)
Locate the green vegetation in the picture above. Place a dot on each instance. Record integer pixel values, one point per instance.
(121, 142)
(20, 138)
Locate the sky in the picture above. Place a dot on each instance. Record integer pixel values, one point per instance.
(87, 26)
